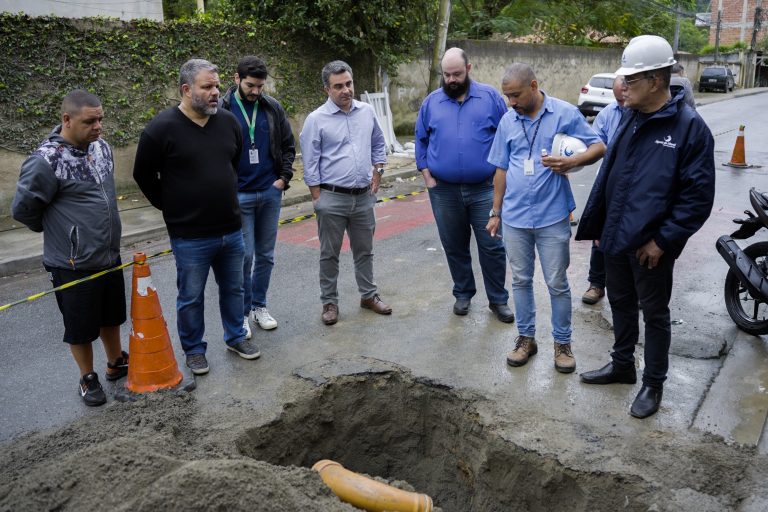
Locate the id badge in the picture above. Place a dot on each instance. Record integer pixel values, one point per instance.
(528, 167)
(253, 156)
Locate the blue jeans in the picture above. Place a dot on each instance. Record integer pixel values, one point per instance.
(260, 212)
(194, 258)
(552, 243)
(460, 209)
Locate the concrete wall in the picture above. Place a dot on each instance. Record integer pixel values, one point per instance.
(122, 9)
(561, 71)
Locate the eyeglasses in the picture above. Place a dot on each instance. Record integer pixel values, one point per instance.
(627, 83)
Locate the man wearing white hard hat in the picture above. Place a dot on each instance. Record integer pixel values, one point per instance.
(536, 144)
(654, 190)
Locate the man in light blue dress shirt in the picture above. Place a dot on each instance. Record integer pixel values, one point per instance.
(344, 152)
(534, 196)
(605, 124)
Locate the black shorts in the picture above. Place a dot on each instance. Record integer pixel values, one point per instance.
(90, 305)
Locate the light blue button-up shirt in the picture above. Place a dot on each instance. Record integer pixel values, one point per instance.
(340, 148)
(607, 120)
(453, 139)
(545, 198)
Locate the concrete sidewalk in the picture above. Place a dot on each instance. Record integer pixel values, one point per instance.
(21, 250)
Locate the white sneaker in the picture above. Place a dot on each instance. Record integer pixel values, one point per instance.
(263, 319)
(247, 328)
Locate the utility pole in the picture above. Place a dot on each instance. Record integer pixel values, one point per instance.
(717, 30)
(749, 72)
(676, 43)
(443, 18)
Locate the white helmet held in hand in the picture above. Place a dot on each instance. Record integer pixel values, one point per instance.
(645, 53)
(565, 145)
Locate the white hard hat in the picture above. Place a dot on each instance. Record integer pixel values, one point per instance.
(645, 53)
(565, 145)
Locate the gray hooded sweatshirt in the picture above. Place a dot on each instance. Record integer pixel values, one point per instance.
(69, 195)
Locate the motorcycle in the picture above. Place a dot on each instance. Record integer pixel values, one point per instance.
(746, 285)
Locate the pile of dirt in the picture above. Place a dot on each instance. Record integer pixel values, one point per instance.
(167, 451)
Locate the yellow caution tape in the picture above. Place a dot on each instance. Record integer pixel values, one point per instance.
(78, 281)
(163, 253)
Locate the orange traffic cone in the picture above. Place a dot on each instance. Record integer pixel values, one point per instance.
(738, 159)
(153, 365)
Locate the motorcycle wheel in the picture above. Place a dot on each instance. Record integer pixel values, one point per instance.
(749, 313)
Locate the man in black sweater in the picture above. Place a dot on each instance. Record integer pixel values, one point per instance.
(186, 165)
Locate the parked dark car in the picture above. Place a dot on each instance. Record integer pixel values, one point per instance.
(716, 78)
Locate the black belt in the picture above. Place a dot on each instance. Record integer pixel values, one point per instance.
(344, 190)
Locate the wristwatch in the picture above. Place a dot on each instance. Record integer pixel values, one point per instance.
(493, 213)
(380, 170)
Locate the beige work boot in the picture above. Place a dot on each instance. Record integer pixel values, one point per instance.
(525, 347)
(564, 360)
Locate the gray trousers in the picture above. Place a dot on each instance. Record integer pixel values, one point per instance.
(336, 213)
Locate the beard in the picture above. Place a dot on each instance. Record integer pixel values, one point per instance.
(456, 89)
(251, 98)
(202, 107)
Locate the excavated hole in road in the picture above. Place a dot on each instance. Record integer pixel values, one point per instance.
(399, 428)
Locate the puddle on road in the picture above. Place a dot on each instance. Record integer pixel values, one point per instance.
(398, 428)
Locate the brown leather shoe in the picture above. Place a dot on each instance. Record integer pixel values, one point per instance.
(376, 305)
(593, 295)
(564, 360)
(330, 314)
(525, 347)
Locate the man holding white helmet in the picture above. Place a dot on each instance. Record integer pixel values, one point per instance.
(533, 199)
(654, 190)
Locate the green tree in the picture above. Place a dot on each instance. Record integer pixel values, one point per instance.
(576, 22)
(391, 31)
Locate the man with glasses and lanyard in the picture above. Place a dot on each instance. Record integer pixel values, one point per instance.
(533, 201)
(654, 190)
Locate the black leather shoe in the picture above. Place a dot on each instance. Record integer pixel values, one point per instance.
(646, 402)
(461, 307)
(503, 313)
(610, 374)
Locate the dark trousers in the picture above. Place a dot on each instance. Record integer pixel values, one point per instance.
(597, 267)
(629, 282)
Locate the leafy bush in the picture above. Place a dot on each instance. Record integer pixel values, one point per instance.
(133, 67)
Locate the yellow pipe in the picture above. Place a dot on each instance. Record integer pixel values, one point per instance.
(369, 494)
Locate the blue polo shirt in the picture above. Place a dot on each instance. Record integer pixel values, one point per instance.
(545, 198)
(607, 120)
(453, 139)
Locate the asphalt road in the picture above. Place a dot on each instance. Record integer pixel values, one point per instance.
(38, 377)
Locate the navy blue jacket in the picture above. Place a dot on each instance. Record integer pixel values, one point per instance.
(665, 187)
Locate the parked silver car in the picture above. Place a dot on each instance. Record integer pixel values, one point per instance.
(596, 94)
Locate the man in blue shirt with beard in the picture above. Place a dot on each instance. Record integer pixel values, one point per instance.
(454, 133)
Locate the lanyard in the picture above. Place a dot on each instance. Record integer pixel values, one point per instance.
(252, 123)
(535, 132)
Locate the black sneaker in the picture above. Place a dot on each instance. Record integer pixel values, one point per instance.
(197, 363)
(91, 390)
(119, 369)
(245, 349)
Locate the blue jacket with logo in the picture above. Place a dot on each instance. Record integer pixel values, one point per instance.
(665, 187)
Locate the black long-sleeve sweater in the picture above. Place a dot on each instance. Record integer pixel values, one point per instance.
(190, 172)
